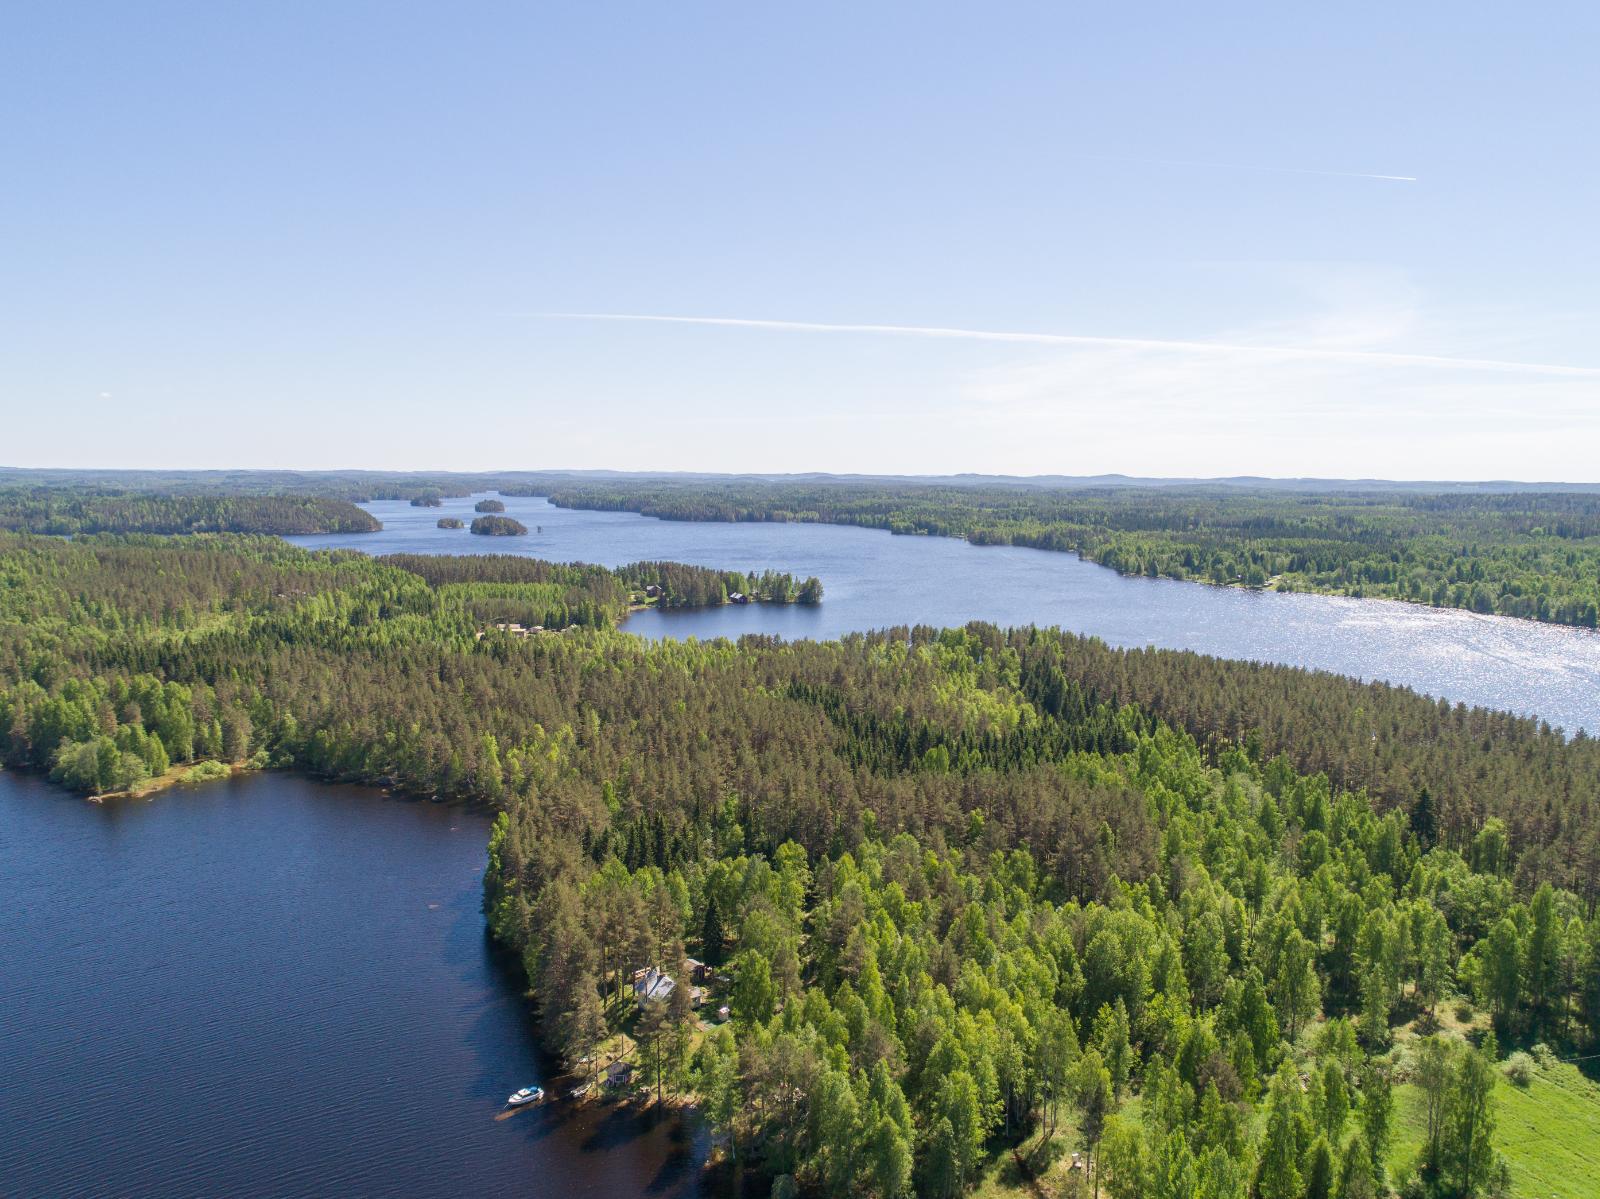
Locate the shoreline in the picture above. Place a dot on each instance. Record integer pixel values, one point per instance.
(177, 776)
(1273, 584)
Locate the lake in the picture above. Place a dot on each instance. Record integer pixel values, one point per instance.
(270, 986)
(873, 579)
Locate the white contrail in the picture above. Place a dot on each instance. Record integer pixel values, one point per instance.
(1241, 166)
(1075, 339)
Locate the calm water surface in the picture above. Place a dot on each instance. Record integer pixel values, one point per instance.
(875, 580)
(274, 987)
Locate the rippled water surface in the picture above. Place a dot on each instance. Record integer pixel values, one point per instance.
(274, 987)
(875, 580)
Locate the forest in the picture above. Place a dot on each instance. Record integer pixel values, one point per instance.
(983, 898)
(1529, 554)
(68, 513)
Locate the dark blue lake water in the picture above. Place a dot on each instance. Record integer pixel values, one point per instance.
(275, 987)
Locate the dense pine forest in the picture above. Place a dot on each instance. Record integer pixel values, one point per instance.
(62, 512)
(974, 899)
(1527, 554)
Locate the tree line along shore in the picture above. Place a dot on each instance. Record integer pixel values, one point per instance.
(995, 908)
(1529, 553)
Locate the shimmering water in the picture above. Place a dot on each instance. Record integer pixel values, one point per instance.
(875, 580)
(274, 987)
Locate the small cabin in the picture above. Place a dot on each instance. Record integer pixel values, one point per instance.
(738, 597)
(653, 591)
(653, 984)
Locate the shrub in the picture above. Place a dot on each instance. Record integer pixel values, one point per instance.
(1544, 1055)
(1519, 1069)
(205, 772)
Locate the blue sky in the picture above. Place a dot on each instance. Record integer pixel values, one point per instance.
(325, 235)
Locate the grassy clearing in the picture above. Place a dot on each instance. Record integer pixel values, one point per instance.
(190, 773)
(1549, 1132)
(1040, 1167)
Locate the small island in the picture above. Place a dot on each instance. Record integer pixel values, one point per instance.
(499, 526)
(449, 522)
(489, 506)
(674, 585)
(427, 500)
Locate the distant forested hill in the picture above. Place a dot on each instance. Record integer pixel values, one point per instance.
(41, 510)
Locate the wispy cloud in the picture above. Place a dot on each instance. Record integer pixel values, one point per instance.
(1243, 166)
(1162, 345)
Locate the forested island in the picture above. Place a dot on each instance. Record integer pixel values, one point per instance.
(489, 506)
(449, 522)
(977, 901)
(498, 526)
(1530, 554)
(42, 510)
(674, 585)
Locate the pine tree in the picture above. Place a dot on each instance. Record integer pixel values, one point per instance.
(1319, 1180)
(1377, 1111)
(712, 936)
(1278, 1176)
(1355, 1177)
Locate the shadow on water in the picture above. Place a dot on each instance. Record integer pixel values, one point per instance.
(689, 1146)
(624, 1123)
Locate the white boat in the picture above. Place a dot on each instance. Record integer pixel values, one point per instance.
(525, 1096)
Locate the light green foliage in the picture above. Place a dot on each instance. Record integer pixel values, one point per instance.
(1076, 925)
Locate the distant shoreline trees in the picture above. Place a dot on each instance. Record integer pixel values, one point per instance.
(1531, 555)
(62, 513)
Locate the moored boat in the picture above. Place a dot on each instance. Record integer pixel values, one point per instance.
(525, 1096)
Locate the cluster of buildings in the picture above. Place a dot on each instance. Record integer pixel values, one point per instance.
(653, 984)
(515, 629)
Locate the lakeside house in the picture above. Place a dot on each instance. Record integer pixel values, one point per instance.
(653, 591)
(738, 597)
(652, 984)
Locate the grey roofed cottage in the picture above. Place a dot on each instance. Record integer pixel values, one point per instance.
(653, 984)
